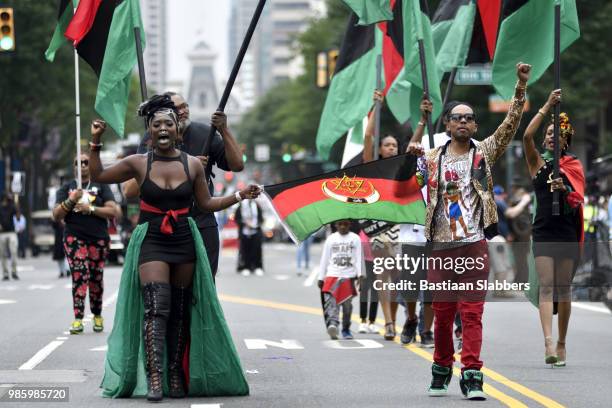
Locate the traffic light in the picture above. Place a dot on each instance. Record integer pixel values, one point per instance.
(326, 66)
(7, 29)
(332, 58)
(286, 157)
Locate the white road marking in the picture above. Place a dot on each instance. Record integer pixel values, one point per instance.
(261, 344)
(111, 299)
(25, 268)
(61, 338)
(41, 355)
(281, 277)
(344, 345)
(312, 277)
(66, 332)
(591, 307)
(101, 348)
(206, 405)
(9, 288)
(68, 286)
(41, 287)
(7, 301)
(252, 371)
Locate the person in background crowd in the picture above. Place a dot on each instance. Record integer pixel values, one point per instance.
(499, 250)
(19, 220)
(341, 266)
(519, 223)
(8, 238)
(368, 296)
(383, 236)
(556, 238)
(86, 212)
(224, 153)
(249, 218)
(303, 256)
(58, 255)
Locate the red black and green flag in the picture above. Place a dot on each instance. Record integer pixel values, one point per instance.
(371, 11)
(385, 190)
(64, 16)
(452, 31)
(526, 34)
(104, 34)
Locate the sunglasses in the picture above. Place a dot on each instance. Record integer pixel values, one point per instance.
(458, 117)
(83, 163)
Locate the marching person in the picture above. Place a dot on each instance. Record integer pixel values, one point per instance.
(167, 271)
(21, 229)
(460, 186)
(341, 266)
(85, 212)
(555, 237)
(249, 218)
(224, 153)
(8, 238)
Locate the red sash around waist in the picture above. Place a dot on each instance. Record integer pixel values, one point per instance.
(166, 225)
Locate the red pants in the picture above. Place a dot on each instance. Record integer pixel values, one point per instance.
(469, 304)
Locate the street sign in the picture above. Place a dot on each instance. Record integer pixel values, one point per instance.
(17, 182)
(474, 75)
(262, 152)
(497, 104)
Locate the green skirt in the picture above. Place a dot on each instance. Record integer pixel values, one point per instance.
(214, 366)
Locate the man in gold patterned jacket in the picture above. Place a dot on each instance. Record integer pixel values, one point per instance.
(457, 230)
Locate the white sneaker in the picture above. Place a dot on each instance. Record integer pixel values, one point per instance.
(333, 332)
(372, 328)
(245, 272)
(259, 272)
(363, 328)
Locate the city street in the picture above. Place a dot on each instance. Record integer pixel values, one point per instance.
(289, 360)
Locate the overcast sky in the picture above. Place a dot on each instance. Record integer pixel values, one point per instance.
(190, 21)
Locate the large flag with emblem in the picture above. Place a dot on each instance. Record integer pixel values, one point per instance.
(527, 34)
(385, 190)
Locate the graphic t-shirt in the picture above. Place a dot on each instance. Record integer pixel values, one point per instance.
(458, 213)
(82, 226)
(342, 256)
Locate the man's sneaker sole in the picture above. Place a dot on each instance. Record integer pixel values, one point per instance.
(437, 393)
(476, 396)
(333, 332)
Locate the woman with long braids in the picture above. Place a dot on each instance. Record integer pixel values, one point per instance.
(85, 240)
(555, 237)
(166, 290)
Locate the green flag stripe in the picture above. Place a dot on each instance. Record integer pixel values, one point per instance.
(452, 38)
(119, 60)
(371, 11)
(309, 219)
(531, 24)
(58, 38)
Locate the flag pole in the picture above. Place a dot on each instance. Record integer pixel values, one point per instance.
(141, 70)
(447, 94)
(77, 114)
(557, 69)
(237, 63)
(423, 64)
(377, 106)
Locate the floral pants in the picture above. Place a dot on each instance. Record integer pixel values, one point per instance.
(86, 260)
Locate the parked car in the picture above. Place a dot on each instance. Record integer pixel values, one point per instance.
(43, 236)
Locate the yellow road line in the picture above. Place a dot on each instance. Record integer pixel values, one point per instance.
(493, 375)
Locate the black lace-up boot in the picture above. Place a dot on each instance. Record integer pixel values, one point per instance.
(178, 335)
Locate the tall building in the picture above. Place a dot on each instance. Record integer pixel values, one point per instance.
(270, 58)
(154, 14)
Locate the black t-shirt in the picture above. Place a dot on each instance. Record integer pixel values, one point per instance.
(86, 227)
(6, 217)
(193, 144)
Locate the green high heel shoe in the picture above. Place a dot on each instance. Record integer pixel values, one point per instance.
(549, 358)
(561, 353)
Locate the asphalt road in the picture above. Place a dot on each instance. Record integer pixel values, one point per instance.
(289, 361)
